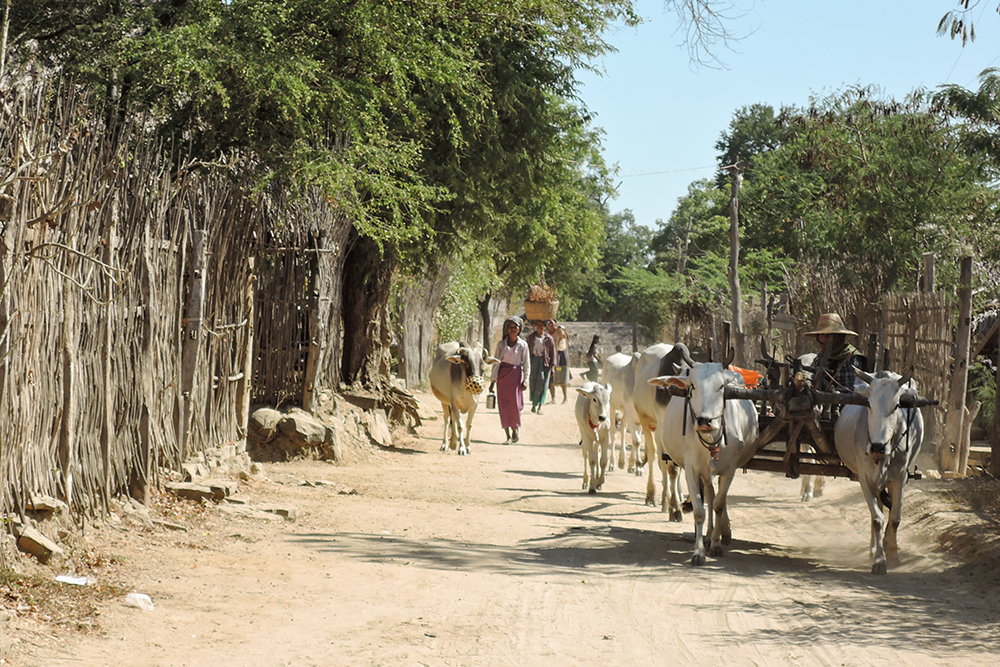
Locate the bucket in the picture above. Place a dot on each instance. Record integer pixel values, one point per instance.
(491, 401)
(560, 375)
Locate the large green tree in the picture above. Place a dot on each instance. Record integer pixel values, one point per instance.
(432, 125)
(864, 188)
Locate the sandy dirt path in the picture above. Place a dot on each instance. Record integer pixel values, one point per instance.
(417, 557)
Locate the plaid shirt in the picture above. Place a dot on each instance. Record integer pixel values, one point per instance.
(845, 378)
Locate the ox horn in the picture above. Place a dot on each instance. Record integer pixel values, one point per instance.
(685, 354)
(906, 377)
(728, 359)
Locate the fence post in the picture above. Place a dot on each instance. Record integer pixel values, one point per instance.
(192, 335)
(247, 354)
(312, 358)
(949, 450)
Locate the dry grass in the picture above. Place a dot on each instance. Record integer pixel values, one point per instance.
(39, 596)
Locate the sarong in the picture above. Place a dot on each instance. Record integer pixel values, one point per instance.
(539, 382)
(510, 399)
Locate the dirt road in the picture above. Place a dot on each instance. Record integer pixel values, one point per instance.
(416, 557)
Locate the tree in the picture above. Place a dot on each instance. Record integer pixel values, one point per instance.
(753, 130)
(603, 295)
(864, 188)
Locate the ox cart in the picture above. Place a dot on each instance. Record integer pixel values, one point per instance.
(796, 421)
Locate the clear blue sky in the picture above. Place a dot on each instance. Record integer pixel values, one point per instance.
(661, 115)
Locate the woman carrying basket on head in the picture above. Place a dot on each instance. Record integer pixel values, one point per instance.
(510, 377)
(594, 360)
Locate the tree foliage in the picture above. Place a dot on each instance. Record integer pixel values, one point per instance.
(868, 186)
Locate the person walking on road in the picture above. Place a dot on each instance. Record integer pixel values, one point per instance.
(543, 358)
(561, 338)
(594, 360)
(510, 377)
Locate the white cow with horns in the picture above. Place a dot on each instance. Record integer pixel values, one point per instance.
(457, 380)
(708, 436)
(649, 401)
(593, 415)
(879, 443)
(619, 374)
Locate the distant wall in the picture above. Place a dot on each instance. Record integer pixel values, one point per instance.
(611, 333)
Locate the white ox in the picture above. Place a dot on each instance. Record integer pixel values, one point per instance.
(457, 380)
(879, 443)
(619, 374)
(708, 436)
(649, 401)
(593, 412)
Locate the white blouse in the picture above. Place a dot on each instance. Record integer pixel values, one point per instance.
(515, 355)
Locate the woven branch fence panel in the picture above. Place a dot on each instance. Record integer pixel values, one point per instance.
(122, 349)
(919, 333)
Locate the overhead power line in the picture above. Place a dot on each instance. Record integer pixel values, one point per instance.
(641, 172)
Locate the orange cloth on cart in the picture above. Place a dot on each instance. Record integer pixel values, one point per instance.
(751, 378)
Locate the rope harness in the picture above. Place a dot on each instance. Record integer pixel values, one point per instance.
(909, 422)
(712, 445)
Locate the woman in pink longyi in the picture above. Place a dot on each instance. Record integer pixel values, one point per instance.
(510, 377)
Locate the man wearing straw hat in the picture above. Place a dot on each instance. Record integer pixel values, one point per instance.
(837, 357)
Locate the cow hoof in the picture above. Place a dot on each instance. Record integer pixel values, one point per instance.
(879, 568)
(463, 452)
(444, 448)
(687, 506)
(592, 491)
(727, 539)
(715, 552)
(676, 516)
(806, 497)
(631, 470)
(698, 559)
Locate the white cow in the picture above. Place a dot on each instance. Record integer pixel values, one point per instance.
(879, 443)
(457, 380)
(655, 361)
(619, 374)
(593, 415)
(708, 436)
(812, 485)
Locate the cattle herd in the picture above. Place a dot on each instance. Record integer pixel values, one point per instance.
(679, 417)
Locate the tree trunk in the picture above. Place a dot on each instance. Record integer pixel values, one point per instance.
(734, 262)
(949, 452)
(415, 324)
(367, 335)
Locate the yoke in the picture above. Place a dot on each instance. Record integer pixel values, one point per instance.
(797, 416)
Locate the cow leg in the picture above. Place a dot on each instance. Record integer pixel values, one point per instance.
(698, 507)
(878, 527)
(722, 531)
(664, 477)
(650, 454)
(465, 447)
(812, 485)
(584, 449)
(458, 432)
(602, 450)
(708, 499)
(446, 409)
(621, 450)
(674, 478)
(890, 545)
(595, 468)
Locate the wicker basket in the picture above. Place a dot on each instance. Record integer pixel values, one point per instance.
(536, 310)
